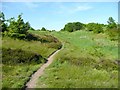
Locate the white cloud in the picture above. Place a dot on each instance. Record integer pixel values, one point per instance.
(31, 5)
(73, 8)
(83, 8)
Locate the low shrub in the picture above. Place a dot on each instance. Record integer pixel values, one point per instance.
(17, 56)
(113, 34)
(107, 65)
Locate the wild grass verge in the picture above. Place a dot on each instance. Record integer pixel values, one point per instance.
(87, 60)
(21, 58)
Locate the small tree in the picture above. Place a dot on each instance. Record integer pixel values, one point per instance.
(18, 28)
(98, 28)
(32, 29)
(3, 25)
(70, 27)
(43, 29)
(95, 27)
(111, 23)
(78, 26)
(112, 29)
(90, 26)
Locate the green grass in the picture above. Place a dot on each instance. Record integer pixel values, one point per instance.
(33, 46)
(71, 76)
(17, 75)
(87, 60)
(21, 58)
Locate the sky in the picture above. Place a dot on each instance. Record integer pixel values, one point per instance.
(54, 15)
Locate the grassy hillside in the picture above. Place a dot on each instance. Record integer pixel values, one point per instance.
(21, 58)
(87, 60)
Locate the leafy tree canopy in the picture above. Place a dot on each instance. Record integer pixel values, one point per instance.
(112, 29)
(95, 27)
(17, 28)
(3, 25)
(73, 26)
(111, 23)
(43, 29)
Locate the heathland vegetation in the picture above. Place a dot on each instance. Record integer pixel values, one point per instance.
(22, 52)
(88, 59)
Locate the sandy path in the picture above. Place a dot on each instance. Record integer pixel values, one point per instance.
(32, 82)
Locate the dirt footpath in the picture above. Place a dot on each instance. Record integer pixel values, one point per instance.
(32, 82)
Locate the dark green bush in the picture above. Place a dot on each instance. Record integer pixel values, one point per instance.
(17, 56)
(43, 29)
(107, 65)
(70, 27)
(113, 33)
(42, 38)
(95, 27)
(30, 37)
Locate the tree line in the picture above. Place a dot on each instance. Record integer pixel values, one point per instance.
(14, 28)
(19, 29)
(111, 29)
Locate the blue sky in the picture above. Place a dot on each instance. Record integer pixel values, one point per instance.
(54, 15)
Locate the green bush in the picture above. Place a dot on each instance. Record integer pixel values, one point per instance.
(112, 29)
(30, 37)
(95, 27)
(18, 56)
(107, 65)
(43, 29)
(70, 27)
(113, 33)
